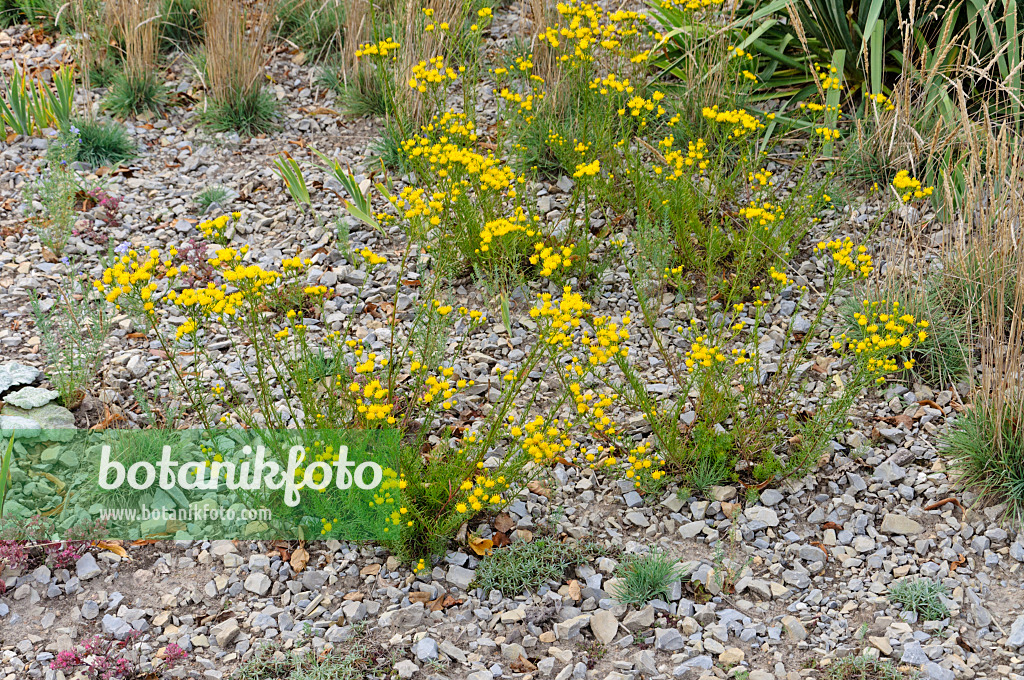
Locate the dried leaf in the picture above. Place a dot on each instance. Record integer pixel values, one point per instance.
(501, 539)
(300, 557)
(524, 535)
(929, 402)
(503, 522)
(56, 481)
(539, 489)
(443, 602)
(114, 547)
(370, 570)
(903, 421)
(522, 665)
(481, 546)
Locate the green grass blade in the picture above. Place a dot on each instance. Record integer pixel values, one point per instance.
(871, 26)
(290, 172)
(5, 473)
(1013, 54)
(877, 51)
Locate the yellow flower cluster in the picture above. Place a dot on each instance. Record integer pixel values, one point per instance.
(638, 105)
(881, 100)
(701, 353)
(132, 272)
(608, 336)
(843, 254)
(763, 214)
(762, 177)
(779, 277)
(582, 26)
(199, 303)
(639, 461)
(680, 161)
(827, 133)
(372, 258)
(593, 408)
(441, 391)
(587, 169)
(379, 49)
(689, 4)
(907, 187)
(542, 441)
(214, 229)
(393, 484)
(550, 258)
(743, 121)
(883, 330)
(524, 104)
(611, 83)
(483, 490)
(519, 222)
(251, 278)
(830, 78)
(372, 401)
(431, 73)
(452, 124)
(562, 318)
(457, 162)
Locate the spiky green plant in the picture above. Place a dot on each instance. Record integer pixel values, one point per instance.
(103, 142)
(646, 577)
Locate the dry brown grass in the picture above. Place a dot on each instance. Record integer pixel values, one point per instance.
(985, 271)
(236, 38)
(986, 261)
(358, 27)
(137, 23)
(539, 11)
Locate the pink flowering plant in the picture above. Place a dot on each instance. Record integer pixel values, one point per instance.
(100, 658)
(26, 544)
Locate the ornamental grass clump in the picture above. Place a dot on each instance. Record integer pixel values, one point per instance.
(236, 37)
(985, 445)
(135, 25)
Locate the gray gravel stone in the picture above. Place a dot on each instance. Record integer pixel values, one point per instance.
(86, 567)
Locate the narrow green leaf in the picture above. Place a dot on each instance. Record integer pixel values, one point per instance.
(5, 473)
